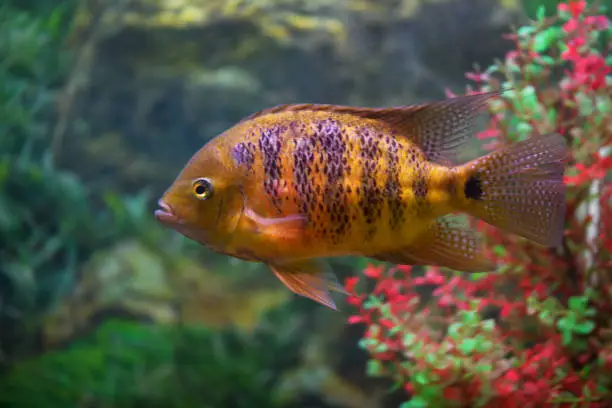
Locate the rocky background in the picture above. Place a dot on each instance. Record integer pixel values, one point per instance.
(102, 103)
(154, 80)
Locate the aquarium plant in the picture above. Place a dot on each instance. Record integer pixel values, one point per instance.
(537, 332)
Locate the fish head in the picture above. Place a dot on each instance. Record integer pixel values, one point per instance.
(204, 202)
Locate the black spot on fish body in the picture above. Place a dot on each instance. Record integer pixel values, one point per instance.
(473, 188)
(413, 157)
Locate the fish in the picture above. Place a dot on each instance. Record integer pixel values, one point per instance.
(294, 184)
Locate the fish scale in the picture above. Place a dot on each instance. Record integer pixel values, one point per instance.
(343, 178)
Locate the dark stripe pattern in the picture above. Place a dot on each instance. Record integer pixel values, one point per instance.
(331, 141)
(370, 200)
(270, 147)
(393, 188)
(303, 160)
(419, 185)
(244, 155)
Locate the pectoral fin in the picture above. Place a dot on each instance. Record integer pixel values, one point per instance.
(445, 244)
(308, 278)
(280, 228)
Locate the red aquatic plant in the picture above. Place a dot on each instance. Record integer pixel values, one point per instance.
(537, 332)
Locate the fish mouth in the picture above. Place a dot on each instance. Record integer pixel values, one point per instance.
(165, 214)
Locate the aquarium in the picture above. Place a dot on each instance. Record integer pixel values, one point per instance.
(305, 204)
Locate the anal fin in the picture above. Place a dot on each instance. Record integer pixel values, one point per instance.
(309, 278)
(446, 244)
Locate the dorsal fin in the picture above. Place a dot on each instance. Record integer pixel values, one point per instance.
(440, 128)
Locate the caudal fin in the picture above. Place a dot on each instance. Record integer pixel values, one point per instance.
(520, 188)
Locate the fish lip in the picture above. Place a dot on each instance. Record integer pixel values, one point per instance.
(165, 213)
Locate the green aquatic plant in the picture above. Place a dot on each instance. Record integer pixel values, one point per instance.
(131, 364)
(35, 199)
(50, 221)
(549, 7)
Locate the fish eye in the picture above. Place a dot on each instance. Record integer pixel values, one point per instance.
(202, 188)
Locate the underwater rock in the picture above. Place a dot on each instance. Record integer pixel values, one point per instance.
(154, 80)
(131, 280)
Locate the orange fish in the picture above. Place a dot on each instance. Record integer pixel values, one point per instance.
(293, 184)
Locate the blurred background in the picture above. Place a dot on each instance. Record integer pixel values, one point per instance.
(101, 104)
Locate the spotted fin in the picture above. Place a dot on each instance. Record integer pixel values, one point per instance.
(440, 128)
(447, 244)
(308, 278)
(520, 188)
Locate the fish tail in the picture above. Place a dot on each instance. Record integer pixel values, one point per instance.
(518, 188)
